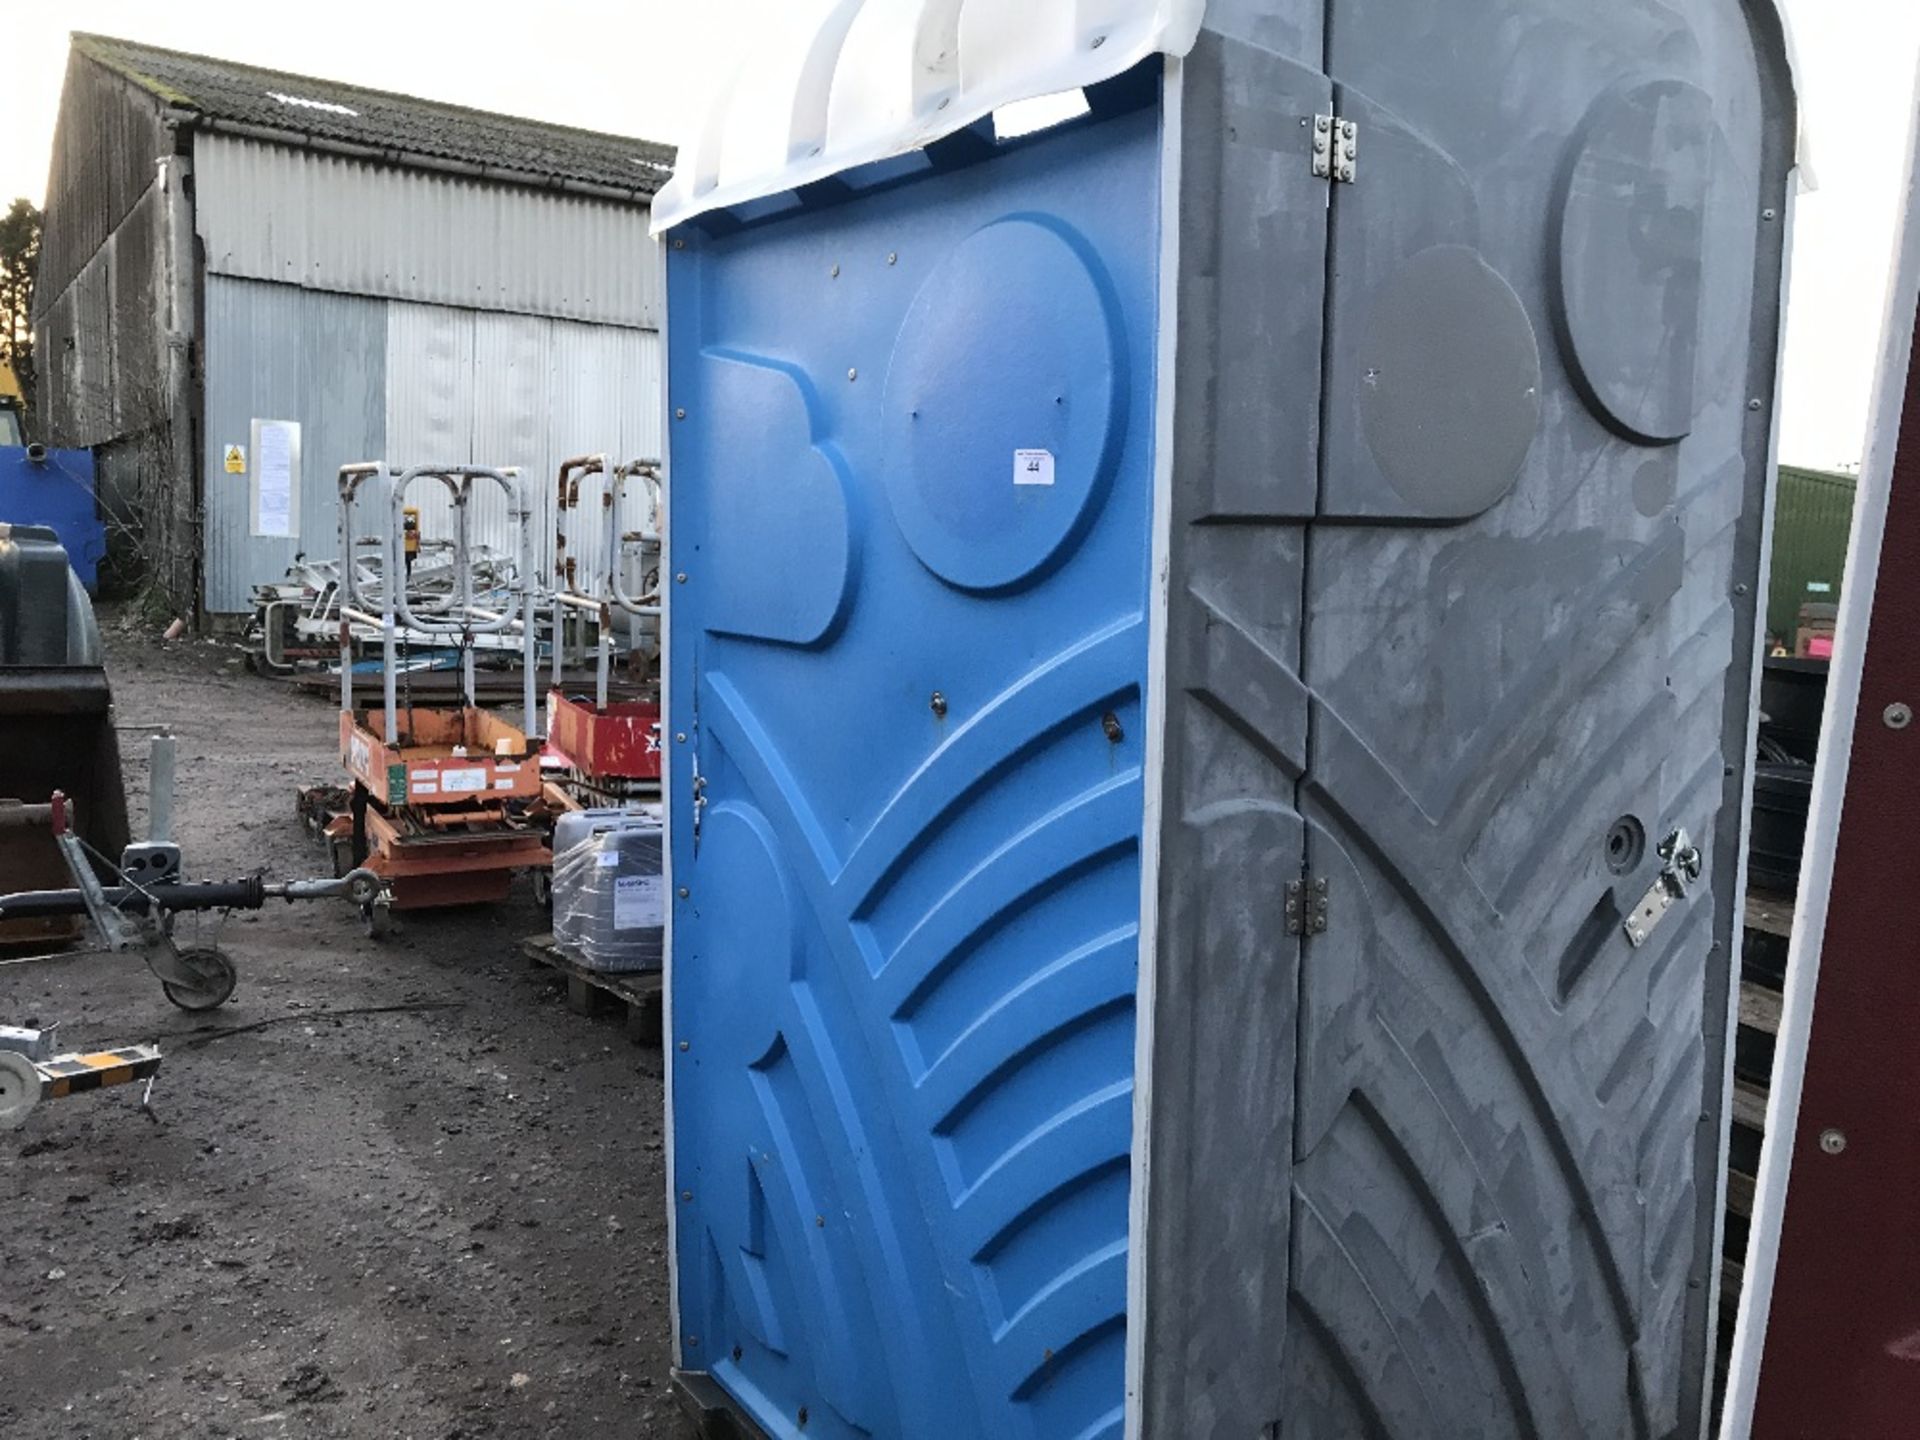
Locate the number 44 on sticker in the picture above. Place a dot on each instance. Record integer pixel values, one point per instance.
(1033, 467)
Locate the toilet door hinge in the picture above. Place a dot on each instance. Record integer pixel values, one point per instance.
(1336, 149)
(1307, 906)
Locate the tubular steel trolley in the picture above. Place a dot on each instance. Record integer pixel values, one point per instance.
(438, 799)
(607, 751)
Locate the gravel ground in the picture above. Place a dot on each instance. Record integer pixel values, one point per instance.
(442, 1222)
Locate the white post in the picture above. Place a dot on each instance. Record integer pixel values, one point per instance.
(160, 757)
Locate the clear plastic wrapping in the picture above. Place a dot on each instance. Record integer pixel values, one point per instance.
(609, 893)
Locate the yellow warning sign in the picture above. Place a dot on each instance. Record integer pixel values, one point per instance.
(236, 459)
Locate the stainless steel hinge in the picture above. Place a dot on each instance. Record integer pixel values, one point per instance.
(1680, 869)
(1307, 906)
(1336, 149)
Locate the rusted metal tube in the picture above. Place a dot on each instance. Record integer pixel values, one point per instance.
(648, 470)
(17, 816)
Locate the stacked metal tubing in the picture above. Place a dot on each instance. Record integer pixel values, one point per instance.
(465, 618)
(613, 596)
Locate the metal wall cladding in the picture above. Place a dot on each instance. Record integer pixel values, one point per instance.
(98, 345)
(330, 222)
(912, 499)
(596, 374)
(275, 352)
(372, 379)
(1812, 525)
(465, 387)
(107, 141)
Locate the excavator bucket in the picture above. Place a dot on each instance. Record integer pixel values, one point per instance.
(56, 720)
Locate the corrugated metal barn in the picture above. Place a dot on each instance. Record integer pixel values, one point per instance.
(231, 251)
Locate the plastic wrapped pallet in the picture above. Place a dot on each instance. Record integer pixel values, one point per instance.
(609, 897)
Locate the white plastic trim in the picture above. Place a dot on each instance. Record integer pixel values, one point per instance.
(1155, 760)
(1823, 819)
(1807, 179)
(840, 83)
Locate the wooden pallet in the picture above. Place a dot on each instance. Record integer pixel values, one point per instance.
(590, 992)
(1769, 925)
(1770, 914)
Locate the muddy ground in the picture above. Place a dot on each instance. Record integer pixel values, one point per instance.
(435, 1223)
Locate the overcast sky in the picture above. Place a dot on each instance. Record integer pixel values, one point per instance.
(639, 66)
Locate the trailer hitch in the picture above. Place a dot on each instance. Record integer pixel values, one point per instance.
(137, 912)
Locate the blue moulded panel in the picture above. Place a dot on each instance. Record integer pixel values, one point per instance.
(911, 491)
(57, 491)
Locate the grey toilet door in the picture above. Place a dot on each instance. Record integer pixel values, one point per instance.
(1528, 624)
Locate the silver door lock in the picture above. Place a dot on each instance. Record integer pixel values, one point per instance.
(1679, 869)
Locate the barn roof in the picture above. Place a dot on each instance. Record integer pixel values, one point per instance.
(328, 114)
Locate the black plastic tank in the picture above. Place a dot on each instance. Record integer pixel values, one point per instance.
(56, 706)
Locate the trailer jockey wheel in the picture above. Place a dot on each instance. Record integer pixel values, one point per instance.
(377, 916)
(19, 1089)
(543, 888)
(214, 979)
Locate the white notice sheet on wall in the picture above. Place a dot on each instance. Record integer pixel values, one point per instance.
(276, 478)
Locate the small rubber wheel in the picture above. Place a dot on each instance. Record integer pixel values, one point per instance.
(543, 888)
(19, 1089)
(213, 986)
(378, 918)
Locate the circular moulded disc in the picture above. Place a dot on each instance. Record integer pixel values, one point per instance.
(750, 952)
(1632, 241)
(1452, 397)
(19, 1089)
(1004, 405)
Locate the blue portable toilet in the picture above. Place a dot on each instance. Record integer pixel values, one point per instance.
(55, 488)
(1209, 656)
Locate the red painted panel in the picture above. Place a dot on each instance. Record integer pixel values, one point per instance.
(619, 742)
(1842, 1358)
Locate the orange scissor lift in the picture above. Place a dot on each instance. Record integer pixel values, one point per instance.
(609, 750)
(444, 804)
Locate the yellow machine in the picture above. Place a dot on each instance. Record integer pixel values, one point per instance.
(13, 407)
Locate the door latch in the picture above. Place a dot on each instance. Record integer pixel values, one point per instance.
(699, 799)
(1680, 868)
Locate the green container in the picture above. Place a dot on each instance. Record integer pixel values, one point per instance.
(1812, 519)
